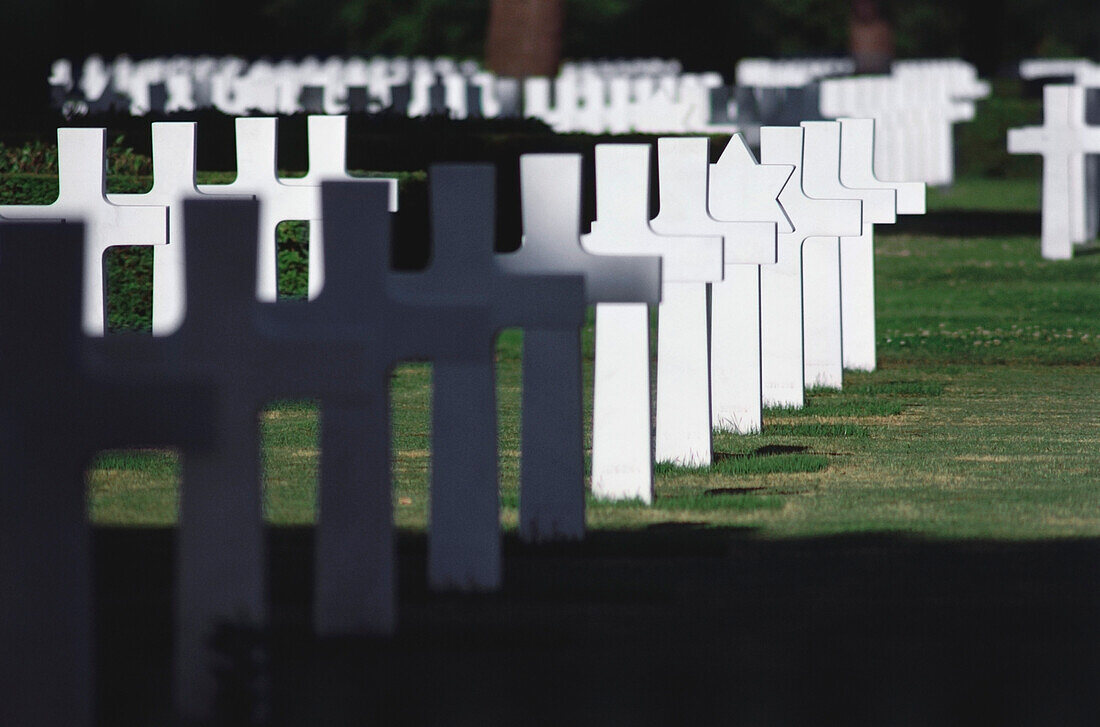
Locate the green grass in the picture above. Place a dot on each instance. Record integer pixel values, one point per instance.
(980, 422)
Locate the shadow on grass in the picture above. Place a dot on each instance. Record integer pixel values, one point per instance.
(969, 223)
(677, 624)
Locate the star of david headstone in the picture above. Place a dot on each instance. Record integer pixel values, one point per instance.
(683, 356)
(740, 189)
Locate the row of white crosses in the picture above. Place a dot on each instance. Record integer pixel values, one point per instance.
(645, 96)
(771, 72)
(601, 102)
(154, 218)
(917, 105)
(786, 247)
(1065, 140)
(233, 350)
(234, 85)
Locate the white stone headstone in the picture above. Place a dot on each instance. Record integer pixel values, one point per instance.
(551, 505)
(781, 284)
(857, 254)
(1063, 145)
(354, 584)
(327, 138)
(683, 360)
(822, 262)
(173, 181)
(740, 189)
(53, 418)
(622, 438)
(257, 163)
(82, 196)
(464, 531)
(241, 350)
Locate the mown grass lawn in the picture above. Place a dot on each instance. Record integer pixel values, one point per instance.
(982, 421)
(919, 548)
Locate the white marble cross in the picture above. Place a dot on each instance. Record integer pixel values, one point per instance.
(822, 261)
(551, 504)
(464, 534)
(242, 350)
(53, 419)
(683, 357)
(781, 308)
(622, 438)
(1063, 142)
(173, 181)
(82, 196)
(257, 163)
(740, 189)
(857, 254)
(354, 585)
(328, 143)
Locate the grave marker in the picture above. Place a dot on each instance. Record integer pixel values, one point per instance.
(257, 162)
(551, 501)
(857, 254)
(683, 357)
(327, 145)
(82, 196)
(822, 263)
(464, 536)
(781, 284)
(622, 438)
(248, 354)
(354, 586)
(53, 418)
(740, 189)
(173, 181)
(1063, 143)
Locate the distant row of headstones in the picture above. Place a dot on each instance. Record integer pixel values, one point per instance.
(1069, 143)
(643, 95)
(917, 104)
(784, 248)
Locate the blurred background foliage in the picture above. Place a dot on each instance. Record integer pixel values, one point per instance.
(702, 34)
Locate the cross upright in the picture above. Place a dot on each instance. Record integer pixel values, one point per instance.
(53, 418)
(781, 309)
(82, 196)
(327, 139)
(257, 175)
(1063, 144)
(173, 180)
(354, 591)
(683, 355)
(857, 254)
(740, 189)
(622, 438)
(822, 262)
(551, 498)
(464, 536)
(248, 354)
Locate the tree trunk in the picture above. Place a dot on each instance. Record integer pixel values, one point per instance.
(524, 37)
